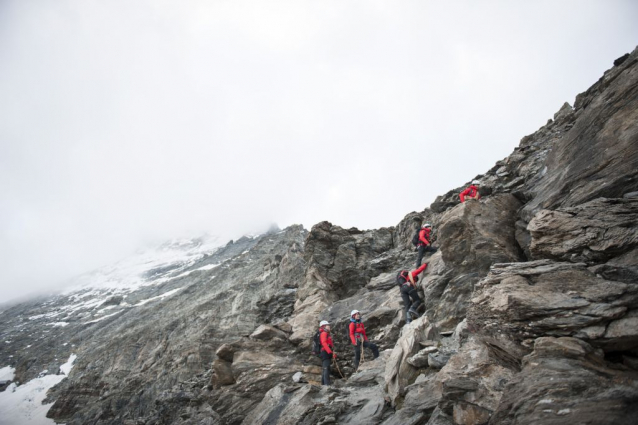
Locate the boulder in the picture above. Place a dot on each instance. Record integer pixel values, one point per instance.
(420, 401)
(475, 235)
(266, 333)
(310, 405)
(340, 262)
(226, 352)
(222, 373)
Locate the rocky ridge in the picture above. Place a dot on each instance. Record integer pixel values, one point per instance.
(530, 308)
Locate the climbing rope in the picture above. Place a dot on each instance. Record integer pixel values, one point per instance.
(363, 356)
(334, 360)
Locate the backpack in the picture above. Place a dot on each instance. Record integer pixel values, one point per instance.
(415, 238)
(316, 343)
(402, 277)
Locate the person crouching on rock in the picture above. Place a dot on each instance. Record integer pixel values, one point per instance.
(359, 338)
(407, 283)
(327, 351)
(471, 192)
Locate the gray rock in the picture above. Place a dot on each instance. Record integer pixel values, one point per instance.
(438, 360)
(226, 352)
(265, 333)
(588, 162)
(595, 231)
(420, 359)
(563, 380)
(398, 372)
(522, 301)
(222, 373)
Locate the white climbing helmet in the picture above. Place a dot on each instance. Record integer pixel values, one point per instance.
(353, 312)
(427, 225)
(476, 182)
(323, 323)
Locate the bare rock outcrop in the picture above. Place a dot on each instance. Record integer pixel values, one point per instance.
(595, 231)
(519, 302)
(565, 380)
(398, 372)
(597, 156)
(340, 263)
(473, 236)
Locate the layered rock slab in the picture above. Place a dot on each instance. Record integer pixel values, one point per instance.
(597, 156)
(565, 380)
(519, 302)
(595, 231)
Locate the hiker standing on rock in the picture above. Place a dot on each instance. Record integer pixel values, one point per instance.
(423, 244)
(359, 338)
(407, 282)
(327, 351)
(472, 192)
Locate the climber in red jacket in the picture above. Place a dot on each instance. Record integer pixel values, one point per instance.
(424, 244)
(359, 338)
(407, 282)
(472, 192)
(327, 351)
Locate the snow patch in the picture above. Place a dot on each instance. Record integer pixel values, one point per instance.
(164, 295)
(7, 373)
(22, 404)
(209, 266)
(59, 324)
(151, 267)
(104, 317)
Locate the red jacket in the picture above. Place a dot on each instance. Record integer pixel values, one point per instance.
(424, 236)
(357, 328)
(420, 270)
(470, 191)
(326, 341)
(415, 273)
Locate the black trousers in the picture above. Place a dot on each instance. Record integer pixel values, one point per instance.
(422, 250)
(326, 359)
(357, 351)
(411, 300)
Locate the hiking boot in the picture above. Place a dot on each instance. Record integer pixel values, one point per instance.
(413, 313)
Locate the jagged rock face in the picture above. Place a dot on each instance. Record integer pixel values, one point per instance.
(597, 157)
(472, 236)
(361, 403)
(153, 355)
(564, 380)
(398, 372)
(340, 263)
(519, 302)
(592, 232)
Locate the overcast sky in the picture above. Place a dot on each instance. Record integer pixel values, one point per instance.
(130, 122)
